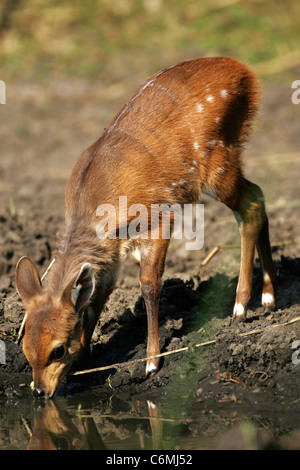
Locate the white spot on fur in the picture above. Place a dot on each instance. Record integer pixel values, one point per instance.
(221, 170)
(217, 119)
(238, 310)
(210, 143)
(192, 169)
(224, 93)
(195, 163)
(150, 367)
(174, 184)
(151, 405)
(210, 98)
(268, 300)
(267, 277)
(221, 143)
(200, 107)
(196, 145)
(137, 255)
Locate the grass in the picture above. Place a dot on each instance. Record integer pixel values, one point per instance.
(92, 38)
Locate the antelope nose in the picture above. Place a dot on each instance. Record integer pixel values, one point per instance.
(38, 393)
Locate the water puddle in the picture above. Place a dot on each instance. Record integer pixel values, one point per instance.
(101, 421)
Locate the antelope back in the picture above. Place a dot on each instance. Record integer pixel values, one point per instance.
(178, 136)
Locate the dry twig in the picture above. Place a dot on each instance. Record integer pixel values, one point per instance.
(215, 250)
(120, 365)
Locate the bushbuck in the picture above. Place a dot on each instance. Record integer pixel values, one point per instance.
(179, 136)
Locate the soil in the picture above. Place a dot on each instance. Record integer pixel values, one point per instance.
(43, 132)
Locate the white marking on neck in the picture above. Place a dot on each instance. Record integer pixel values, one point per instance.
(137, 255)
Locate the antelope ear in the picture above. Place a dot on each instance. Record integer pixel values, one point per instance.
(28, 280)
(83, 287)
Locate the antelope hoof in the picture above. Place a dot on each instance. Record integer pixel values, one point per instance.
(237, 320)
(151, 369)
(268, 302)
(239, 313)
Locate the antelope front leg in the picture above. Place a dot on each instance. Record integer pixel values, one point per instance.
(244, 287)
(151, 268)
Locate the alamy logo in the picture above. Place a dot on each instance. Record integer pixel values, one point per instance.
(139, 222)
(2, 352)
(2, 92)
(295, 358)
(296, 94)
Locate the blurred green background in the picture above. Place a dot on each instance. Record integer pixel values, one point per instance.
(110, 38)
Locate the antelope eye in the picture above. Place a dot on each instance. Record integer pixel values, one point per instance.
(57, 353)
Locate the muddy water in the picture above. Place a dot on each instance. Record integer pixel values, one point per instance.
(182, 413)
(106, 421)
(92, 422)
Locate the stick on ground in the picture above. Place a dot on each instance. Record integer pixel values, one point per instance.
(119, 365)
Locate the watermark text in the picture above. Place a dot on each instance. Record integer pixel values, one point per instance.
(2, 92)
(159, 221)
(296, 94)
(2, 353)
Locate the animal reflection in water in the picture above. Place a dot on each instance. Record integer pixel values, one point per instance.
(54, 429)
